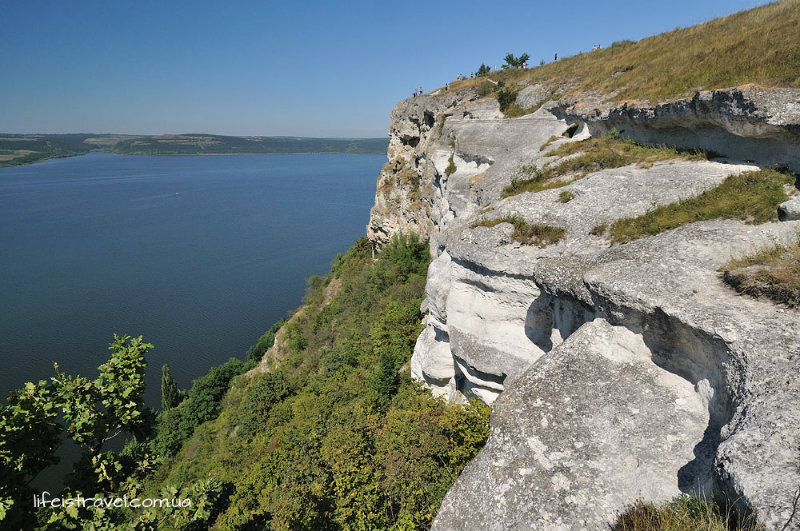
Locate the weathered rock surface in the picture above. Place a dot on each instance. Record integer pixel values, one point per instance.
(686, 370)
(748, 123)
(617, 373)
(790, 210)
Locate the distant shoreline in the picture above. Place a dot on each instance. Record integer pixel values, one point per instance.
(20, 150)
(30, 163)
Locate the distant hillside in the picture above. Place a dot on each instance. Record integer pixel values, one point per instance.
(26, 149)
(16, 150)
(216, 144)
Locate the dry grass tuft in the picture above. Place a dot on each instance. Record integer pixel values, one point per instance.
(685, 513)
(755, 46)
(773, 272)
(594, 154)
(750, 196)
(525, 233)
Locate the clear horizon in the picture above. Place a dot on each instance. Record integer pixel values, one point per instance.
(259, 69)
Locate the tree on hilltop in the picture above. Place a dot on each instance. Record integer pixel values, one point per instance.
(516, 62)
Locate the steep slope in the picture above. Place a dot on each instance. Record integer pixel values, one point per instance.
(617, 372)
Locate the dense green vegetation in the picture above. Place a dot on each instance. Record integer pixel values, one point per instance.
(526, 233)
(772, 272)
(591, 155)
(755, 46)
(750, 196)
(336, 436)
(685, 513)
(16, 150)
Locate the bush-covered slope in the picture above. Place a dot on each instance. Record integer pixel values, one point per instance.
(337, 436)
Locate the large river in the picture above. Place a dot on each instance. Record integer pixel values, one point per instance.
(200, 255)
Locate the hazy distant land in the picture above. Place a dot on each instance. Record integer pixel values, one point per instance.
(18, 149)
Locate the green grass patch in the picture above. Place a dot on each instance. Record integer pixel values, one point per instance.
(594, 154)
(525, 233)
(451, 166)
(685, 513)
(565, 197)
(550, 140)
(772, 272)
(751, 196)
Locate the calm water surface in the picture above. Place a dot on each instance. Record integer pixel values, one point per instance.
(198, 254)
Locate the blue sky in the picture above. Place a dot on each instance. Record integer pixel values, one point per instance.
(302, 68)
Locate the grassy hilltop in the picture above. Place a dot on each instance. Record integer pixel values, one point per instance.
(758, 46)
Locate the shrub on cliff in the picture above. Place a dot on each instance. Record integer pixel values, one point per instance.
(253, 413)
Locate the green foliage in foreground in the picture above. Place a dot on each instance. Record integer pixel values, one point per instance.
(526, 233)
(92, 412)
(685, 513)
(594, 154)
(750, 196)
(338, 436)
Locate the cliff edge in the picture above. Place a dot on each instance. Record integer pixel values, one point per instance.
(618, 371)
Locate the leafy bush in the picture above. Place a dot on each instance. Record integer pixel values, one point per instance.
(515, 62)
(169, 437)
(486, 88)
(205, 396)
(253, 413)
(506, 97)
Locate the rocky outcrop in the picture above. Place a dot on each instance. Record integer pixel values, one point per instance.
(790, 210)
(749, 123)
(617, 373)
(409, 189)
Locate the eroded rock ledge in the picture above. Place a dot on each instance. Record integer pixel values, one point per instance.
(618, 373)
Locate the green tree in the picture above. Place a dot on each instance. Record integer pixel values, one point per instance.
(483, 70)
(94, 412)
(515, 62)
(29, 437)
(267, 390)
(171, 395)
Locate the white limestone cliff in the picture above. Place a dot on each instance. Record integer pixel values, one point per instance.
(617, 373)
